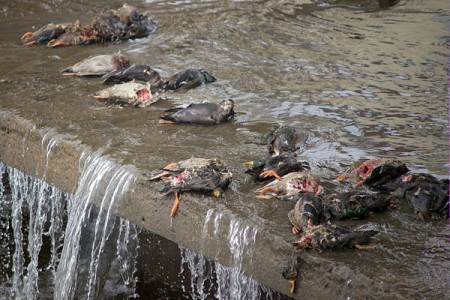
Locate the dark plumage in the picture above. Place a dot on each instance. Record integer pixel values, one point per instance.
(276, 166)
(285, 139)
(136, 72)
(376, 172)
(194, 175)
(201, 114)
(189, 79)
(355, 204)
(428, 196)
(44, 34)
(308, 211)
(327, 236)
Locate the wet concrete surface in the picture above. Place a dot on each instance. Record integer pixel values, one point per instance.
(362, 83)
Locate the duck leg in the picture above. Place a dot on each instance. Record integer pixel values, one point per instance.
(175, 205)
(267, 189)
(270, 173)
(27, 35)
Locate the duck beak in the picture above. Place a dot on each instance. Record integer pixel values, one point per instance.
(249, 163)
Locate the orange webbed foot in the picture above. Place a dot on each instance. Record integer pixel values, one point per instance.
(170, 166)
(341, 177)
(269, 189)
(175, 205)
(27, 35)
(270, 173)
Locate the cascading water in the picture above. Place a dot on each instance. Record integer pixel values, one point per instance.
(54, 245)
(91, 233)
(209, 278)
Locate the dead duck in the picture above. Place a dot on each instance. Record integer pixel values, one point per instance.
(356, 204)
(194, 175)
(375, 172)
(308, 211)
(142, 73)
(292, 185)
(276, 166)
(332, 237)
(97, 65)
(201, 114)
(427, 196)
(188, 79)
(44, 35)
(129, 93)
(285, 139)
(75, 34)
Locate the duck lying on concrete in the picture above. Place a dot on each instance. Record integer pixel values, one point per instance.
(283, 142)
(121, 24)
(375, 172)
(276, 166)
(201, 114)
(428, 196)
(293, 184)
(129, 93)
(284, 139)
(44, 35)
(194, 175)
(308, 211)
(188, 79)
(143, 73)
(355, 204)
(97, 65)
(328, 236)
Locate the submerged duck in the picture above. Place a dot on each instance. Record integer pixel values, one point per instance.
(356, 204)
(130, 93)
(44, 35)
(308, 212)
(97, 65)
(428, 196)
(201, 114)
(293, 184)
(276, 166)
(376, 172)
(194, 175)
(188, 79)
(328, 236)
(285, 139)
(142, 73)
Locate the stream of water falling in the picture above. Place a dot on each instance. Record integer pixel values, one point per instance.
(210, 278)
(54, 245)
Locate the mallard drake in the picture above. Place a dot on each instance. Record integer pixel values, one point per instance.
(328, 236)
(97, 65)
(285, 139)
(375, 172)
(194, 175)
(355, 204)
(293, 184)
(44, 35)
(188, 79)
(142, 73)
(201, 114)
(308, 211)
(131, 93)
(428, 196)
(276, 166)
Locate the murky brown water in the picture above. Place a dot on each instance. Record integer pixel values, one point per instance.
(362, 83)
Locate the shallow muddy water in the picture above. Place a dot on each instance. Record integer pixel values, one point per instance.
(364, 82)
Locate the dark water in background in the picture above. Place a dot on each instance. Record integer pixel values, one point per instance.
(362, 82)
